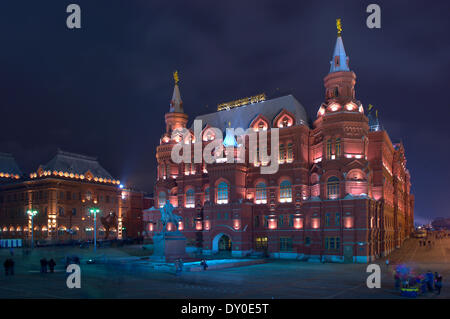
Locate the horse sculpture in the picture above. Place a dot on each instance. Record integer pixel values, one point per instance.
(167, 216)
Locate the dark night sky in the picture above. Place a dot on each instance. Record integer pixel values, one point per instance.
(103, 90)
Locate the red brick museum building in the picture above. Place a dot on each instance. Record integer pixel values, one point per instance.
(342, 191)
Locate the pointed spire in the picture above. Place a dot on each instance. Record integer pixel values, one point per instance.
(176, 104)
(339, 62)
(374, 122)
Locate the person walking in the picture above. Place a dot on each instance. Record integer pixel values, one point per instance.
(181, 265)
(43, 265)
(177, 267)
(397, 280)
(438, 284)
(429, 279)
(51, 265)
(6, 265)
(204, 264)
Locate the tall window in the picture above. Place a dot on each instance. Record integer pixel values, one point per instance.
(256, 221)
(338, 148)
(332, 243)
(337, 220)
(327, 219)
(190, 198)
(329, 149)
(290, 153)
(261, 243)
(282, 155)
(261, 194)
(286, 244)
(162, 199)
(333, 187)
(222, 193)
(291, 220)
(207, 194)
(285, 192)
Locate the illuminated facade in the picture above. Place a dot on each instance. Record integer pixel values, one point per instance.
(341, 193)
(63, 191)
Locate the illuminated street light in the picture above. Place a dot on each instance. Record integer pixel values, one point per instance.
(31, 213)
(95, 211)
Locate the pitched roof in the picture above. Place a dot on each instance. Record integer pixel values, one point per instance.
(176, 104)
(8, 165)
(244, 115)
(77, 164)
(339, 51)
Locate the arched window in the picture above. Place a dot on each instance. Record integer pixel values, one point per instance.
(261, 194)
(290, 153)
(282, 154)
(285, 192)
(329, 151)
(222, 193)
(190, 198)
(338, 148)
(333, 187)
(207, 194)
(162, 199)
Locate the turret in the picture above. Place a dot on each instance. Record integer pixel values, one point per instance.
(176, 118)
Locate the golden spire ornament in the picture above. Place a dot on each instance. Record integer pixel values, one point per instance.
(339, 26)
(175, 77)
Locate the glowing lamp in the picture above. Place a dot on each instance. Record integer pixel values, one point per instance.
(207, 225)
(180, 225)
(198, 225)
(298, 222)
(236, 224)
(321, 111)
(348, 222)
(315, 222)
(349, 106)
(334, 107)
(272, 223)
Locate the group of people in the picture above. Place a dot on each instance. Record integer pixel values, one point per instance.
(428, 282)
(50, 264)
(426, 243)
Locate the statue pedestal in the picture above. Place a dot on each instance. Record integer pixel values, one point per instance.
(168, 246)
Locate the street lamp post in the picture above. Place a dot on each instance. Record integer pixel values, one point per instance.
(31, 213)
(95, 211)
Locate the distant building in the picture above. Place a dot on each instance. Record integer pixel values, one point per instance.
(63, 191)
(342, 191)
(441, 223)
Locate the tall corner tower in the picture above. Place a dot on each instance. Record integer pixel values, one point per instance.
(342, 127)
